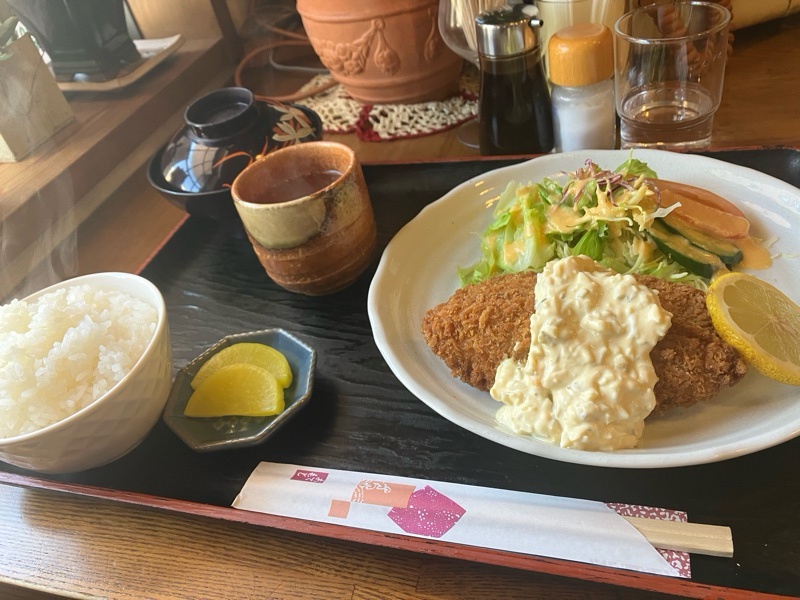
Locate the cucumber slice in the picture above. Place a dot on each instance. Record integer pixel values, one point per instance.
(678, 248)
(728, 253)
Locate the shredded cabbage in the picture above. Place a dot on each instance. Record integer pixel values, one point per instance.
(596, 212)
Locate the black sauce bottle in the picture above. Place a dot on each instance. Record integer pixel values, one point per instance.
(514, 113)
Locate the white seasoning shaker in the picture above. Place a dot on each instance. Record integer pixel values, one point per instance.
(582, 76)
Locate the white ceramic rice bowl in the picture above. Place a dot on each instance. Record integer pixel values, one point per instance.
(114, 424)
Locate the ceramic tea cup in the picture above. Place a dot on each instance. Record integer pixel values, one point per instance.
(308, 215)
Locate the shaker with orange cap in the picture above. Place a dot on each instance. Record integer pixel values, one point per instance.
(581, 67)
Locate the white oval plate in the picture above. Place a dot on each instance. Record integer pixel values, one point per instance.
(419, 270)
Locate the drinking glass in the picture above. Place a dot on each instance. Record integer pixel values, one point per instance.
(457, 28)
(670, 65)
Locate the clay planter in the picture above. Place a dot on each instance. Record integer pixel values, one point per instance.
(382, 51)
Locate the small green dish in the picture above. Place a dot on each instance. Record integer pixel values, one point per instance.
(223, 433)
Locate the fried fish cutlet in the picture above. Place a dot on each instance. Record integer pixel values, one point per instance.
(482, 324)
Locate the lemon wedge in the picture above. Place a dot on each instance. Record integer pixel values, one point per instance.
(238, 389)
(760, 321)
(250, 353)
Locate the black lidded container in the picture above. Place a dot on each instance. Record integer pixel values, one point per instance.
(222, 135)
(515, 112)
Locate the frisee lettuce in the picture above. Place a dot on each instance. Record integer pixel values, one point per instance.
(595, 212)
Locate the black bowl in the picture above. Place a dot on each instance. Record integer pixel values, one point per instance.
(225, 131)
(214, 204)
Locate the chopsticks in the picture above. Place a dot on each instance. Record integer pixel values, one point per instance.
(713, 540)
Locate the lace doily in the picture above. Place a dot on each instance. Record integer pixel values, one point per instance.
(379, 122)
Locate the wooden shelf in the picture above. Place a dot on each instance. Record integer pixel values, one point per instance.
(45, 197)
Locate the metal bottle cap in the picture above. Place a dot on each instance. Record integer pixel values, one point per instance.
(508, 30)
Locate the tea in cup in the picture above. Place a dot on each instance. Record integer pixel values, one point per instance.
(308, 215)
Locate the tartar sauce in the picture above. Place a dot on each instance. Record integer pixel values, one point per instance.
(588, 379)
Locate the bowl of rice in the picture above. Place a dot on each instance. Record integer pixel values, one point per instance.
(85, 372)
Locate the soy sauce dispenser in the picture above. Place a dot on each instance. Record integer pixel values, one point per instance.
(514, 112)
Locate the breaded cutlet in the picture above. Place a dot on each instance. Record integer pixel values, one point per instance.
(482, 324)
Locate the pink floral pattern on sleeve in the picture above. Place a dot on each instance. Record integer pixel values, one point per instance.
(679, 560)
(428, 513)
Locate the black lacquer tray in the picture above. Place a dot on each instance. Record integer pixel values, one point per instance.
(361, 418)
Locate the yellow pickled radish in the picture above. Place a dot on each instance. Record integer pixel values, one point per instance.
(239, 389)
(759, 321)
(251, 353)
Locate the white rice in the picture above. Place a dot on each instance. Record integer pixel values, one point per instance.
(61, 352)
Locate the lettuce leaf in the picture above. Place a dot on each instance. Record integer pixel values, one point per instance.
(602, 214)
(634, 167)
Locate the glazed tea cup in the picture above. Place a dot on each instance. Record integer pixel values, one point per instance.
(308, 215)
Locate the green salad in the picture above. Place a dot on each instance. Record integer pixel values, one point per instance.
(603, 214)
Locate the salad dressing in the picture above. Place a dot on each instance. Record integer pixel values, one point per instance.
(588, 380)
(562, 219)
(754, 256)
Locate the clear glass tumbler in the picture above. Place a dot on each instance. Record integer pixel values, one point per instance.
(669, 71)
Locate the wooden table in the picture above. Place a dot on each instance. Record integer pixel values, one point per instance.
(56, 544)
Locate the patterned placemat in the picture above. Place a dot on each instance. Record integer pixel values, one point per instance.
(381, 122)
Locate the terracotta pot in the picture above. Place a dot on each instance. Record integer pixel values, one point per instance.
(382, 51)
